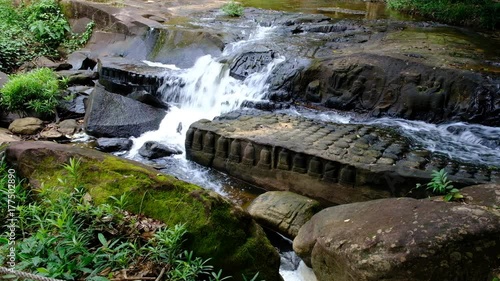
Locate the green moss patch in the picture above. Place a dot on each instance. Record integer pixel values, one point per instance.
(216, 228)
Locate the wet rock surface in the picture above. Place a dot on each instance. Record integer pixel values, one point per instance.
(153, 150)
(113, 144)
(401, 239)
(339, 163)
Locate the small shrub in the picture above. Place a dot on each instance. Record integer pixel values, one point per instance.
(233, 9)
(440, 184)
(33, 30)
(36, 91)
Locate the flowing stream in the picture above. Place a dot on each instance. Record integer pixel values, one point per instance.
(206, 90)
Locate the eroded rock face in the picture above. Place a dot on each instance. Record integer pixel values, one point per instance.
(401, 239)
(387, 86)
(113, 115)
(283, 211)
(217, 229)
(251, 62)
(487, 195)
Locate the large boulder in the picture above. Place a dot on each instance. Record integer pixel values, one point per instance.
(113, 115)
(26, 126)
(283, 211)
(401, 239)
(217, 229)
(487, 195)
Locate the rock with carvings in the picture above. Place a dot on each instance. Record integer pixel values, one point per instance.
(401, 239)
(283, 211)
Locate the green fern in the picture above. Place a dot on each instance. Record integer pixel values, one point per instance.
(440, 185)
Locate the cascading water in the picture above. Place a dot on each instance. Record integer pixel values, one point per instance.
(205, 91)
(472, 143)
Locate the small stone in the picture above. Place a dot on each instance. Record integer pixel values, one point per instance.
(153, 150)
(51, 134)
(113, 144)
(26, 126)
(68, 127)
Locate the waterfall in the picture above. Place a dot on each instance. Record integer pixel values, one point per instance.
(203, 91)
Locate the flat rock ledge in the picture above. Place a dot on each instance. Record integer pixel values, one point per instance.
(338, 163)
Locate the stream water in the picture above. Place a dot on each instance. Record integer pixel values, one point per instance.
(206, 90)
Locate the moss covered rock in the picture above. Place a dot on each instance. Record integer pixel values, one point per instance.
(217, 229)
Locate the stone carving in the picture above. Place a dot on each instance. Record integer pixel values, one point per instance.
(322, 160)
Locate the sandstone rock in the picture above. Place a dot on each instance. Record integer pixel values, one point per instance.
(283, 211)
(152, 150)
(6, 136)
(339, 163)
(113, 144)
(487, 195)
(401, 239)
(68, 126)
(112, 115)
(217, 229)
(26, 126)
(52, 133)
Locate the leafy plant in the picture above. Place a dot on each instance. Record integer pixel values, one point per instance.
(37, 90)
(33, 30)
(65, 236)
(233, 9)
(440, 184)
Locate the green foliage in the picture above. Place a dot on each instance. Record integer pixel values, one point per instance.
(34, 30)
(37, 91)
(46, 22)
(64, 235)
(233, 9)
(481, 13)
(440, 184)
